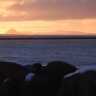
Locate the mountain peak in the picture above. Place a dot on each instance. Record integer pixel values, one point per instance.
(12, 31)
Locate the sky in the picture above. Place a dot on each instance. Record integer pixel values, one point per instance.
(48, 16)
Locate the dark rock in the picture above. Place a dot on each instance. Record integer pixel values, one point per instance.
(7, 89)
(36, 79)
(35, 68)
(47, 81)
(58, 69)
(16, 82)
(69, 86)
(87, 84)
(79, 83)
(41, 85)
(8, 69)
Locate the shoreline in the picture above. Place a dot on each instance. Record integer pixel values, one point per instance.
(45, 37)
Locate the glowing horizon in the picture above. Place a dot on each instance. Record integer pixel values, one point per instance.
(48, 17)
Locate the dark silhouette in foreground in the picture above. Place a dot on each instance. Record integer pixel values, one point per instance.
(48, 78)
(36, 68)
(79, 83)
(17, 80)
(57, 78)
(59, 69)
(8, 69)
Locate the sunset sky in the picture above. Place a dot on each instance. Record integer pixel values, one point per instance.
(48, 16)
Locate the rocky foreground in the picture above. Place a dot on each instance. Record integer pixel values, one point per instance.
(57, 78)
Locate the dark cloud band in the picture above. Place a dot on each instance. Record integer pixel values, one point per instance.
(52, 9)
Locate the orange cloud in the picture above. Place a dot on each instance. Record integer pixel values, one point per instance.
(24, 10)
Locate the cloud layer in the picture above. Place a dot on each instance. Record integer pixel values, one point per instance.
(23, 10)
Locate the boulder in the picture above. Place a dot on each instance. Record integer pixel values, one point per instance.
(79, 83)
(40, 85)
(8, 69)
(58, 69)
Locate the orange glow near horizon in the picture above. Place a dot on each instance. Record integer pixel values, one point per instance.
(10, 9)
(50, 27)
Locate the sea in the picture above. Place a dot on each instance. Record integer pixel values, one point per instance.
(78, 52)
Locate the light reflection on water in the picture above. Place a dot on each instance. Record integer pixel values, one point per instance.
(77, 52)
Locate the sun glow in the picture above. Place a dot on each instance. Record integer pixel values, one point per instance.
(23, 16)
(50, 27)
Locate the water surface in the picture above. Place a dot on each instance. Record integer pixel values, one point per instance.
(79, 52)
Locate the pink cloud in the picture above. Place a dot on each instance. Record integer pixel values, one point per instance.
(52, 10)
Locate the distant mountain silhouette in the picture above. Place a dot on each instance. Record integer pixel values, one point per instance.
(70, 32)
(12, 32)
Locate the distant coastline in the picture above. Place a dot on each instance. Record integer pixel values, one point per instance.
(45, 37)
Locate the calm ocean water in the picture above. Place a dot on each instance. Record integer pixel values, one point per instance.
(76, 52)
